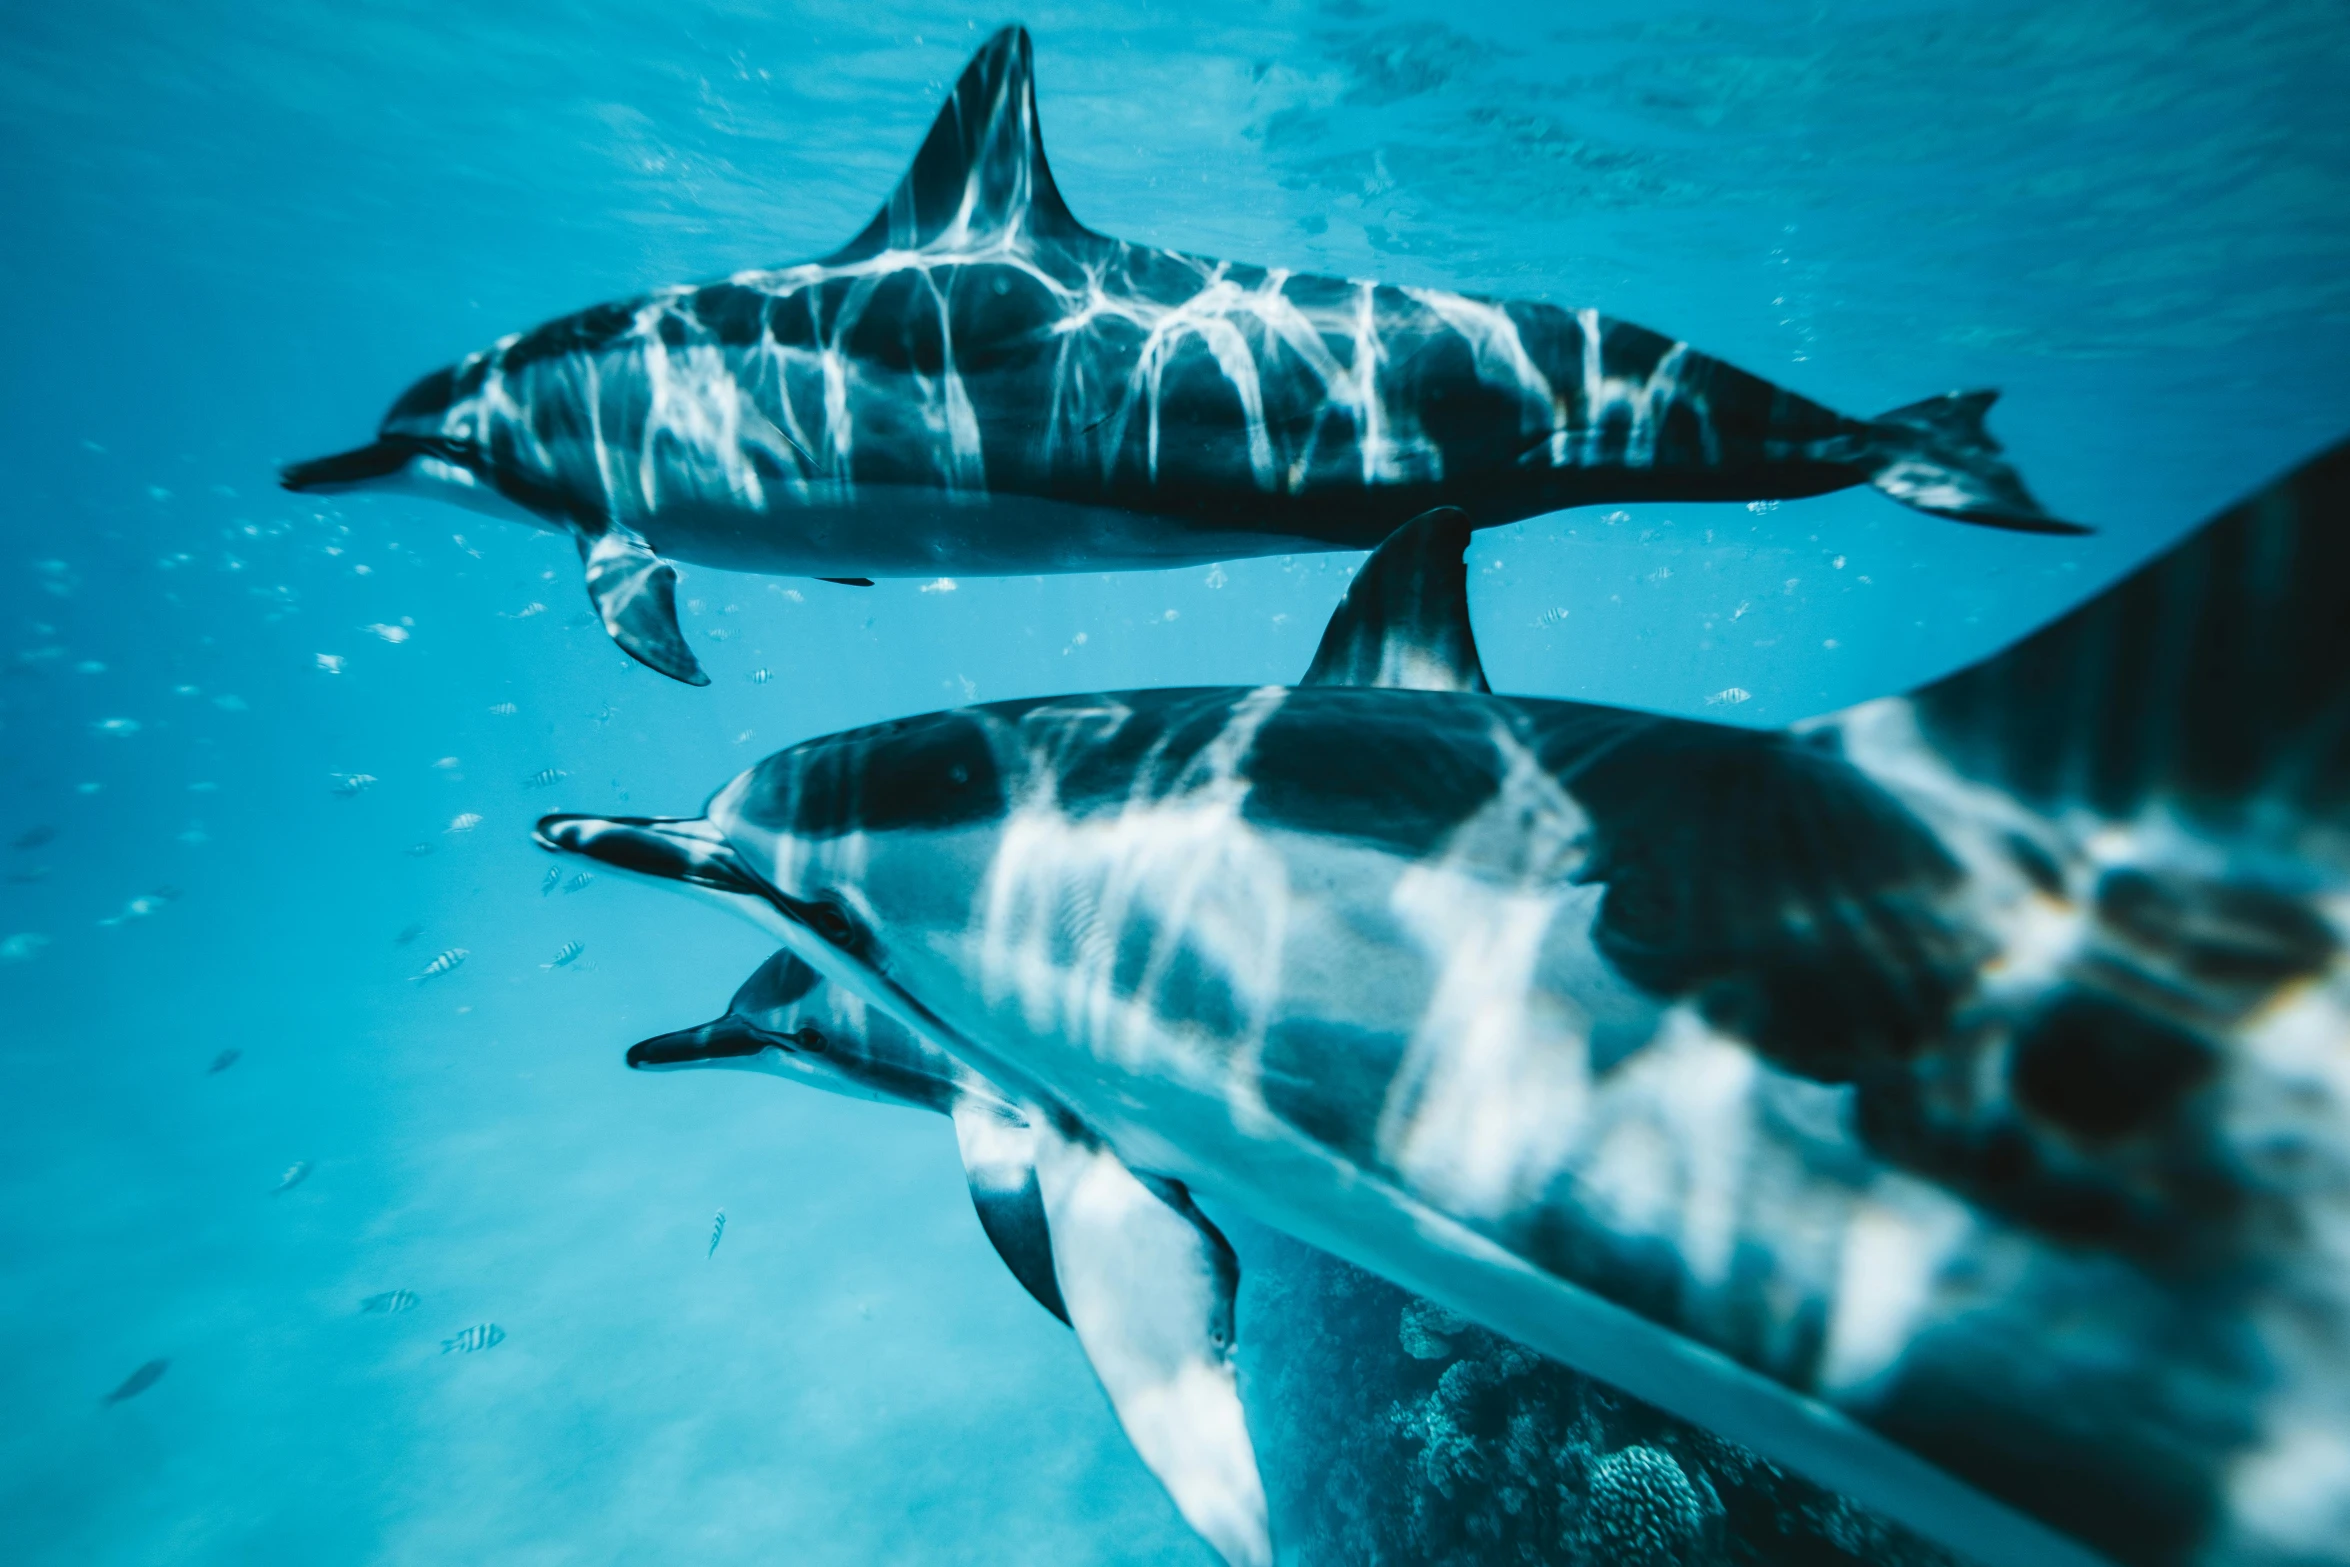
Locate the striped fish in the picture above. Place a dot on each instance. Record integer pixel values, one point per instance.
(388, 1302)
(578, 882)
(545, 776)
(349, 784)
(464, 822)
(504, 709)
(447, 963)
(760, 677)
(717, 1233)
(552, 880)
(296, 1174)
(566, 954)
(484, 1335)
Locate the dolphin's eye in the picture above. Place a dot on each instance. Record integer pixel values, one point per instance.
(810, 1038)
(830, 921)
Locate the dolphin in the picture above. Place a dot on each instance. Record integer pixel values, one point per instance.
(1127, 1260)
(1947, 1097)
(978, 384)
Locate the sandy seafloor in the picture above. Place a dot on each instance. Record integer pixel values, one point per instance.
(233, 232)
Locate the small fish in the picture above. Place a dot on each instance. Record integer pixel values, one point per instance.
(331, 663)
(552, 880)
(534, 607)
(1551, 617)
(481, 1336)
(296, 1174)
(465, 821)
(717, 1233)
(136, 909)
(34, 837)
(760, 677)
(395, 635)
(504, 709)
(407, 934)
(388, 1302)
(350, 784)
(138, 1381)
(222, 1062)
(1730, 697)
(447, 963)
(578, 882)
(545, 776)
(565, 954)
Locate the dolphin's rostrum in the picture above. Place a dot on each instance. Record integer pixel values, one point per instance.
(1944, 1097)
(979, 384)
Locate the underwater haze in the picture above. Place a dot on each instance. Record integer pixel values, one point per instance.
(332, 1228)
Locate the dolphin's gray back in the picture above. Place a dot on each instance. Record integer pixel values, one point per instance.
(976, 340)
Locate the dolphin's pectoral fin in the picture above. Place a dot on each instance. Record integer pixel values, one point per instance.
(1149, 1284)
(1404, 622)
(635, 594)
(999, 1159)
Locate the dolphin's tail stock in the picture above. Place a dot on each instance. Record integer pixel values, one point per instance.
(1938, 457)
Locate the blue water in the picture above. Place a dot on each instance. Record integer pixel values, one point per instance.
(233, 232)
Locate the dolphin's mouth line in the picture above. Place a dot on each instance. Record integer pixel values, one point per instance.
(378, 459)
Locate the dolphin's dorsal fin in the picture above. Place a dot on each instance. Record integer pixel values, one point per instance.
(1149, 1285)
(981, 172)
(1404, 622)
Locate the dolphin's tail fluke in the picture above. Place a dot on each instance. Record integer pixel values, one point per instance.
(1937, 456)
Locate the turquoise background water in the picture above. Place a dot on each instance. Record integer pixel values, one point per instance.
(234, 232)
